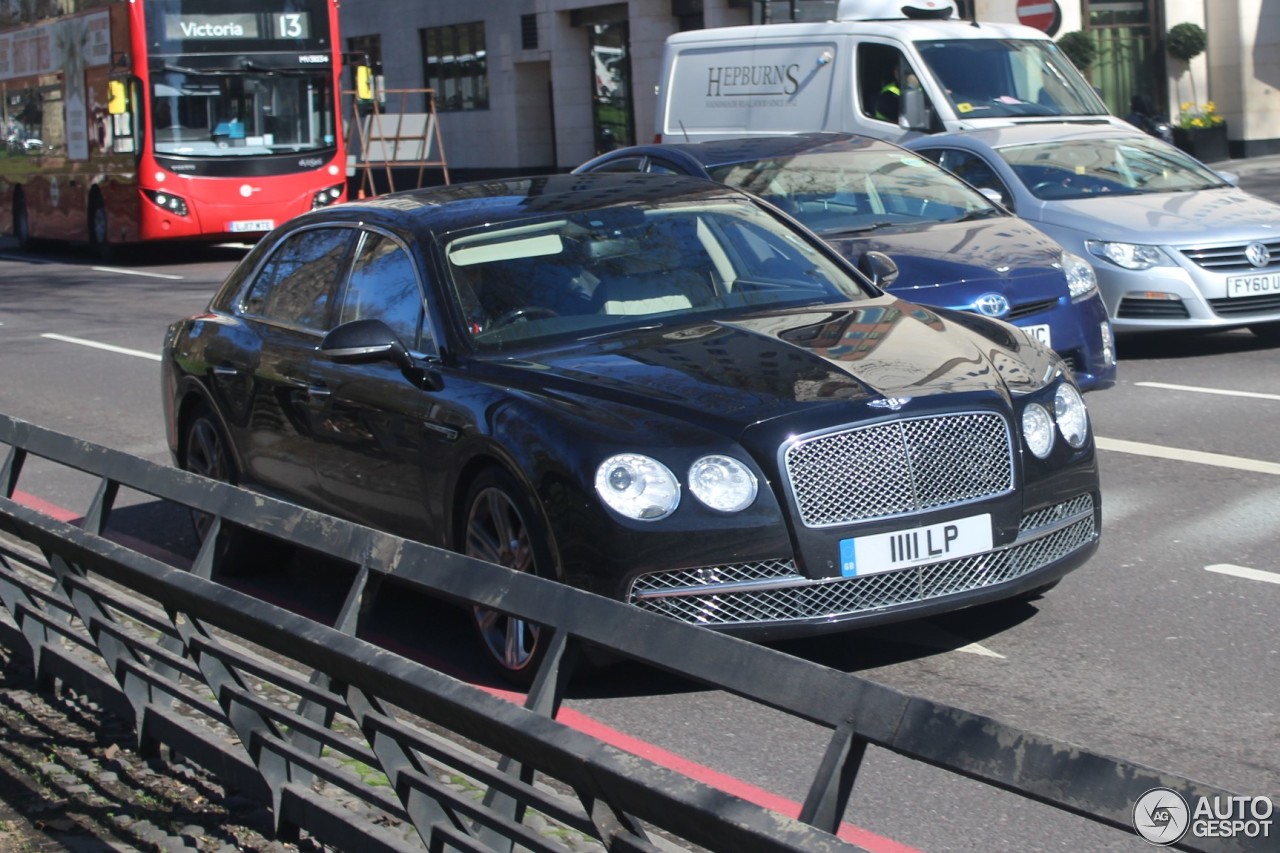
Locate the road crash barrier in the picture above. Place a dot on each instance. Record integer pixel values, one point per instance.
(300, 714)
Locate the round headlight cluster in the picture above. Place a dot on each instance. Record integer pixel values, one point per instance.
(1069, 415)
(722, 483)
(641, 487)
(638, 486)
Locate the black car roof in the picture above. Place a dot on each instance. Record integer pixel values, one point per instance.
(457, 206)
(720, 152)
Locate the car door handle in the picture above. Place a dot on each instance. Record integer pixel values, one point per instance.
(223, 371)
(318, 392)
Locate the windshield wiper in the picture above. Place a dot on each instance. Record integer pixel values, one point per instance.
(974, 215)
(858, 229)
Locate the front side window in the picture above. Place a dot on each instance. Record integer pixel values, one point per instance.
(240, 114)
(456, 66)
(383, 285)
(296, 284)
(969, 167)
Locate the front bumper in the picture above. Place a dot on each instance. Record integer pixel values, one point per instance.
(1183, 297)
(768, 600)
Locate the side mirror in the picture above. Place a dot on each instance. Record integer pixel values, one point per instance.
(117, 98)
(371, 340)
(880, 268)
(993, 195)
(914, 111)
(1230, 177)
(364, 82)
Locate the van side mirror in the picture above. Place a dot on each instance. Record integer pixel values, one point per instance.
(914, 114)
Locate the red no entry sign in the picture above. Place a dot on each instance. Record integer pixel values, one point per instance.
(1044, 15)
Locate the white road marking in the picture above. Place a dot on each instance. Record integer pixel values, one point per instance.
(1244, 572)
(1255, 395)
(122, 271)
(923, 633)
(1199, 457)
(154, 356)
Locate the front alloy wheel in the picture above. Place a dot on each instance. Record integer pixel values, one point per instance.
(502, 527)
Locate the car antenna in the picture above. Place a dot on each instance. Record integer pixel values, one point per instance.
(682, 130)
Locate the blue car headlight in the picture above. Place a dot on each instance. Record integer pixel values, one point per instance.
(1081, 279)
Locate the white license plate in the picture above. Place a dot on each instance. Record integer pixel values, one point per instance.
(1040, 333)
(900, 549)
(1253, 285)
(242, 225)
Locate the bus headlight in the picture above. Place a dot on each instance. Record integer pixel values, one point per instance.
(167, 201)
(326, 197)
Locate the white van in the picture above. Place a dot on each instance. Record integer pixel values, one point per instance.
(885, 68)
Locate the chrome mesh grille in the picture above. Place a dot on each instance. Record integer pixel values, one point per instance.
(1231, 258)
(780, 594)
(899, 467)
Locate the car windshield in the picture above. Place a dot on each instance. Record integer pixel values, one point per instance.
(842, 191)
(241, 114)
(1003, 78)
(1085, 168)
(601, 271)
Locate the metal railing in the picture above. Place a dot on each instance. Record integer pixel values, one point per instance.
(363, 748)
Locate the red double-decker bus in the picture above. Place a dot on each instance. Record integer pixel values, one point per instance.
(133, 120)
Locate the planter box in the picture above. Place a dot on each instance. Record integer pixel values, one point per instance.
(1206, 144)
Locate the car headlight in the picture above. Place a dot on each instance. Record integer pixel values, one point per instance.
(1070, 412)
(637, 486)
(1081, 279)
(1130, 256)
(722, 483)
(1037, 429)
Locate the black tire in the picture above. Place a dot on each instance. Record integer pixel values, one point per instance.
(1268, 333)
(100, 229)
(21, 222)
(500, 524)
(207, 452)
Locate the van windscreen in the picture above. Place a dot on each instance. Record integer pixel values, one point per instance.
(1008, 78)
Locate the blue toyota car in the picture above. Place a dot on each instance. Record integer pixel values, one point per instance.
(913, 228)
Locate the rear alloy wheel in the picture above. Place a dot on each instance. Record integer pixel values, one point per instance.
(206, 452)
(503, 527)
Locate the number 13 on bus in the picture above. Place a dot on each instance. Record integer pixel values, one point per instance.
(134, 120)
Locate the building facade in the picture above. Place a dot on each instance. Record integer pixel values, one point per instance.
(529, 86)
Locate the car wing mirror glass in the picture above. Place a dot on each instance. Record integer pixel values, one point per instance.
(371, 340)
(993, 195)
(914, 114)
(879, 267)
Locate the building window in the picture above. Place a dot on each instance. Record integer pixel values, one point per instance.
(369, 47)
(455, 66)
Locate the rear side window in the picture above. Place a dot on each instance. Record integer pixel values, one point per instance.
(295, 287)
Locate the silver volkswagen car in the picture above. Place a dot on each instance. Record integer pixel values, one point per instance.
(1175, 244)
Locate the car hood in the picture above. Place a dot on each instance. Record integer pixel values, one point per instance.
(1220, 215)
(951, 264)
(730, 374)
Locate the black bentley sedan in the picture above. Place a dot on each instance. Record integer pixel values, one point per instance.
(656, 388)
